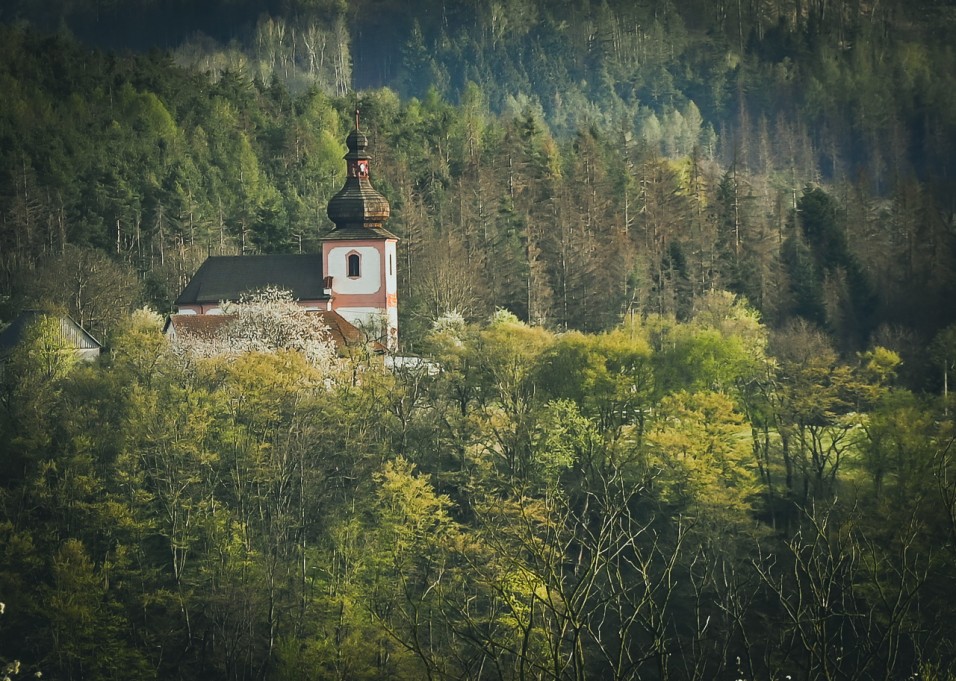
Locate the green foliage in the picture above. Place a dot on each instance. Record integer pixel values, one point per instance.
(897, 454)
(572, 497)
(88, 631)
(698, 444)
(43, 354)
(610, 376)
(30, 386)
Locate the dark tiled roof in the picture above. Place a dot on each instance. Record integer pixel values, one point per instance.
(229, 277)
(204, 326)
(208, 326)
(343, 332)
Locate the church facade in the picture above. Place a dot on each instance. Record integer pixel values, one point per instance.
(353, 278)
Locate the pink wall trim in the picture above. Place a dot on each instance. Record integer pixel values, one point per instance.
(204, 309)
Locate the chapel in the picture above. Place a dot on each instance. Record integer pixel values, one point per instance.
(352, 283)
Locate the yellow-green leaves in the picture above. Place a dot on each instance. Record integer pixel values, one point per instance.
(699, 453)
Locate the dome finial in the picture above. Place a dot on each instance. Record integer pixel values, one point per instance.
(357, 204)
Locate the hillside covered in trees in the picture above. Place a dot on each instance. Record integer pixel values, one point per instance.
(685, 273)
(572, 163)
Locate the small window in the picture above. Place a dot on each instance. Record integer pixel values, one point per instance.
(391, 266)
(354, 265)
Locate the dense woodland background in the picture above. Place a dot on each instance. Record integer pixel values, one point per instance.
(688, 269)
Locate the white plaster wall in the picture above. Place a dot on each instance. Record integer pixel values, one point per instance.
(391, 267)
(370, 280)
(360, 316)
(392, 314)
(392, 341)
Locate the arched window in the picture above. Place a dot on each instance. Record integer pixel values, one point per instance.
(354, 263)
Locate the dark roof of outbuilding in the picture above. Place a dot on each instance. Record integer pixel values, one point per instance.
(202, 326)
(71, 332)
(228, 277)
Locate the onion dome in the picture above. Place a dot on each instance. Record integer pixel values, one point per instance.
(358, 204)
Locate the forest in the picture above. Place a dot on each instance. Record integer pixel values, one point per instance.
(682, 276)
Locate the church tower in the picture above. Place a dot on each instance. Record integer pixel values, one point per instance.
(359, 254)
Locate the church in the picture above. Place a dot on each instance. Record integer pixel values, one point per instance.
(353, 283)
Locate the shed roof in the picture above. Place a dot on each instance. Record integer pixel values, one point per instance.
(72, 333)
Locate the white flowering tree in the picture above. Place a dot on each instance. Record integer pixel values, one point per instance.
(267, 320)
(270, 319)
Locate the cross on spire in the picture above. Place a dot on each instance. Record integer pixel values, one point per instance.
(356, 119)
